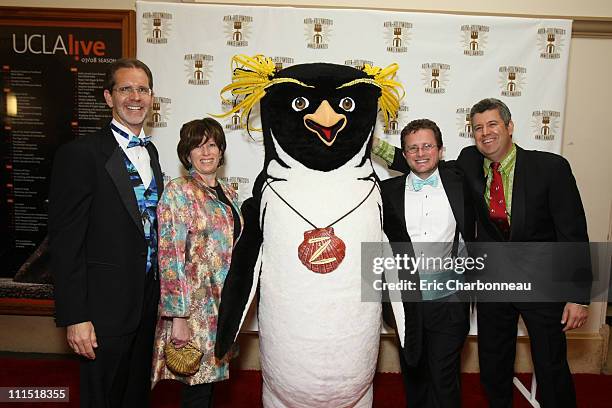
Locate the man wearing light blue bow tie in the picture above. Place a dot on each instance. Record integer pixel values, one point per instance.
(430, 208)
(103, 234)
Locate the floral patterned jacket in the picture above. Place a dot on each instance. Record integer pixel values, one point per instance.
(195, 250)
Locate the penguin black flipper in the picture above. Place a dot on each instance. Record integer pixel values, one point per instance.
(241, 278)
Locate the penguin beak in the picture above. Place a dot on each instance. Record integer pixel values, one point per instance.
(325, 123)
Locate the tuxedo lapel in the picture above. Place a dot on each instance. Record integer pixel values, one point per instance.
(517, 220)
(398, 200)
(479, 185)
(412, 315)
(453, 188)
(155, 166)
(115, 166)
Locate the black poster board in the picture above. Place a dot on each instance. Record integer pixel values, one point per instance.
(52, 69)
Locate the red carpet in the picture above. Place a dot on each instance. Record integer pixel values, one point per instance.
(244, 387)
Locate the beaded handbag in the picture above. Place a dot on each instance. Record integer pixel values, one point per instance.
(184, 360)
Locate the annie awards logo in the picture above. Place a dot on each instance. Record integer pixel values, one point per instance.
(545, 124)
(232, 122)
(464, 124)
(435, 77)
(474, 38)
(395, 127)
(317, 32)
(397, 35)
(157, 26)
(240, 185)
(238, 30)
(512, 80)
(160, 109)
(551, 42)
(198, 67)
(282, 62)
(358, 63)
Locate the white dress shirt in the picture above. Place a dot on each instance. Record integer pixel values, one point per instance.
(429, 217)
(137, 154)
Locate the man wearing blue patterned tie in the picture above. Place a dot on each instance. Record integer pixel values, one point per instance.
(430, 208)
(103, 232)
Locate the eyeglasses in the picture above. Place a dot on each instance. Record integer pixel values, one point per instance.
(413, 149)
(127, 90)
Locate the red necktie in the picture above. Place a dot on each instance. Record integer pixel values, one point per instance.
(497, 201)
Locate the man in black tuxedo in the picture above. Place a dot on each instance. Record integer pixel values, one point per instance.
(430, 209)
(520, 196)
(103, 236)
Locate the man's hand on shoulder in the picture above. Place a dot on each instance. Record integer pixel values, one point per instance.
(82, 339)
(574, 316)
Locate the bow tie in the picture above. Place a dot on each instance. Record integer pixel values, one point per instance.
(418, 184)
(134, 141)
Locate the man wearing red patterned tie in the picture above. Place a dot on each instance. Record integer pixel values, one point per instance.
(519, 196)
(522, 196)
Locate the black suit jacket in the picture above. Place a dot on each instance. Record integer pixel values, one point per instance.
(546, 207)
(98, 247)
(546, 204)
(394, 225)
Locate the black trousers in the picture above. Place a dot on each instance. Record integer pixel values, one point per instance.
(497, 328)
(197, 396)
(436, 380)
(120, 375)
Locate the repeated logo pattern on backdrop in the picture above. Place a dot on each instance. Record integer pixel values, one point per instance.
(198, 68)
(156, 26)
(318, 32)
(238, 30)
(474, 39)
(464, 126)
(397, 35)
(446, 64)
(550, 42)
(545, 124)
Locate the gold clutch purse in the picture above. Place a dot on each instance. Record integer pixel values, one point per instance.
(184, 360)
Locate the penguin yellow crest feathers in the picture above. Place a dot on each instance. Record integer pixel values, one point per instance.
(251, 76)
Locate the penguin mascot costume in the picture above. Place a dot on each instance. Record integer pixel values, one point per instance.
(316, 200)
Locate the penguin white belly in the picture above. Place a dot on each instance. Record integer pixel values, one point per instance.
(318, 340)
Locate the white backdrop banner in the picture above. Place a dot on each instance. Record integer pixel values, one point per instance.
(447, 63)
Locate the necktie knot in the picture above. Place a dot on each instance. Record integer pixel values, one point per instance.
(418, 184)
(497, 201)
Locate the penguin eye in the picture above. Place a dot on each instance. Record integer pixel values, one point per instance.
(347, 103)
(300, 103)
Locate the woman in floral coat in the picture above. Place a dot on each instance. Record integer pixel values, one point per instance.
(199, 223)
